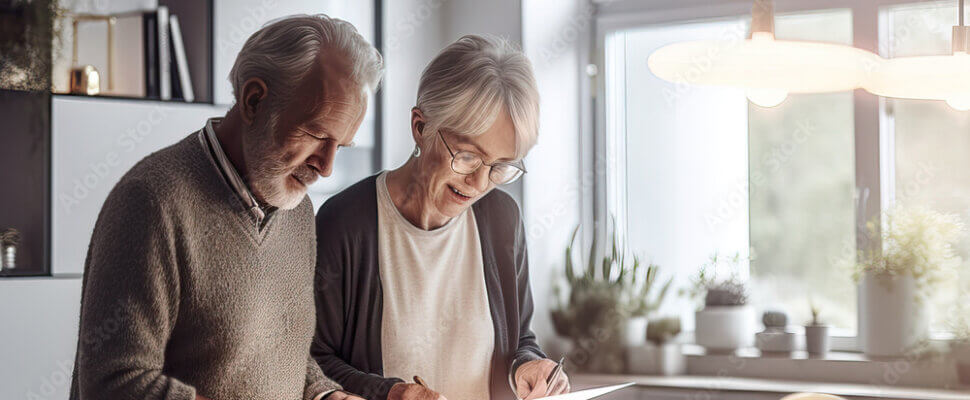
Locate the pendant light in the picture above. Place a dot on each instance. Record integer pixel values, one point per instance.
(766, 68)
(928, 77)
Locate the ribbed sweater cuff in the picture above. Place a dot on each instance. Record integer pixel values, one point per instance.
(321, 386)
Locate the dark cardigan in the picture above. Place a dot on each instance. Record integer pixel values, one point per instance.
(349, 300)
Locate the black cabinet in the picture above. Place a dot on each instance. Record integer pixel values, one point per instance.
(25, 139)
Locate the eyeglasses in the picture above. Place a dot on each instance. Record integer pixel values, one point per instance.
(466, 163)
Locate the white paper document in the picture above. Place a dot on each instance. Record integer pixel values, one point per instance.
(588, 393)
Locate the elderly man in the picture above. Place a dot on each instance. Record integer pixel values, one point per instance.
(199, 278)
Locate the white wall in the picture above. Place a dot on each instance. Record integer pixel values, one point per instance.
(413, 34)
(553, 32)
(415, 31)
(235, 20)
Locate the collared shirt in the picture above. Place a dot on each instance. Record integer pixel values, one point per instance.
(232, 177)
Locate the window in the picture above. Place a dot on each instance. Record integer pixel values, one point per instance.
(801, 188)
(929, 163)
(679, 182)
(700, 170)
(696, 170)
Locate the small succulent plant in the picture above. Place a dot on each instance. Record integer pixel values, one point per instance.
(10, 237)
(718, 291)
(774, 319)
(662, 330)
(726, 294)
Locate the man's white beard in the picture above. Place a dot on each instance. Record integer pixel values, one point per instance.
(268, 173)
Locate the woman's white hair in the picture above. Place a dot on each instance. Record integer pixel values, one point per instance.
(473, 79)
(284, 50)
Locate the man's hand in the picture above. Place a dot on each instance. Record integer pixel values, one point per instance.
(530, 380)
(412, 391)
(340, 395)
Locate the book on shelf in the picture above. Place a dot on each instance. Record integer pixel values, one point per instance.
(150, 37)
(181, 80)
(156, 54)
(147, 56)
(164, 54)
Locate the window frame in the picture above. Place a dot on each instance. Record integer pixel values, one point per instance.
(873, 119)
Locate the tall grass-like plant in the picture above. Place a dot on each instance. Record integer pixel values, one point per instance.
(917, 241)
(602, 295)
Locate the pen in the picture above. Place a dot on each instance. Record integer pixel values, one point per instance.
(554, 375)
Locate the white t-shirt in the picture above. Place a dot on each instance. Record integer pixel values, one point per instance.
(436, 321)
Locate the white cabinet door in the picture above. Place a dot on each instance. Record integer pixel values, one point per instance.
(93, 143)
(39, 317)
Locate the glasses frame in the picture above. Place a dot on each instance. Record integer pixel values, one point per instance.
(481, 162)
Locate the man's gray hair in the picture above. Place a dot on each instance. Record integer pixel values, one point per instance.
(284, 50)
(473, 79)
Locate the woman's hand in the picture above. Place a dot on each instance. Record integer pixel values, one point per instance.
(530, 380)
(412, 391)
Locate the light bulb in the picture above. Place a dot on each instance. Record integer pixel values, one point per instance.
(766, 97)
(959, 102)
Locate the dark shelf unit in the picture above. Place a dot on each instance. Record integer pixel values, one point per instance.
(25, 177)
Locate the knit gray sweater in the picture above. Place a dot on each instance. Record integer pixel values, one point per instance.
(182, 294)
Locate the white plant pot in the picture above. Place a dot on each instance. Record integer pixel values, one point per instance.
(725, 328)
(635, 332)
(817, 341)
(891, 320)
(777, 341)
(960, 351)
(651, 359)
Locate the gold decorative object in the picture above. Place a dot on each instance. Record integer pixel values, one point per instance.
(85, 79)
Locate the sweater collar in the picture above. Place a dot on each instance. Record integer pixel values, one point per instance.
(229, 172)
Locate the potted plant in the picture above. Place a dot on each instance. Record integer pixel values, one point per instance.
(895, 283)
(776, 339)
(601, 303)
(662, 355)
(817, 341)
(726, 322)
(639, 302)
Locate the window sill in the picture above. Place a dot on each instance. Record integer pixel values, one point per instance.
(708, 386)
(935, 370)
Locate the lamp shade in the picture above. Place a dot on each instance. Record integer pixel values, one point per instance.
(765, 65)
(925, 77)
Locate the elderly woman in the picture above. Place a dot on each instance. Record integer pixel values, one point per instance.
(422, 271)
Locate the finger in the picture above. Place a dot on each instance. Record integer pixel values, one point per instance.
(560, 386)
(522, 388)
(538, 391)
